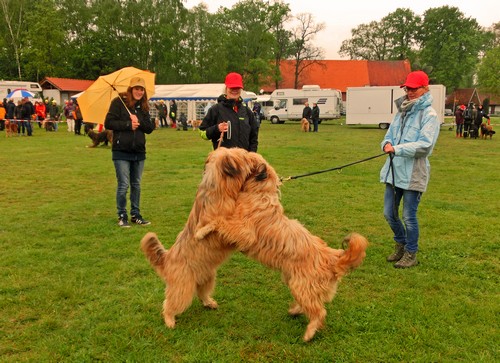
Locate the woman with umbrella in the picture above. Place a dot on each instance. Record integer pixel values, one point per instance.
(129, 118)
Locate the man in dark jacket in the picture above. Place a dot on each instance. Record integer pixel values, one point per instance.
(129, 118)
(307, 114)
(26, 112)
(231, 118)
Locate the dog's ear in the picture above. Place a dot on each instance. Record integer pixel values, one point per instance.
(261, 172)
(230, 167)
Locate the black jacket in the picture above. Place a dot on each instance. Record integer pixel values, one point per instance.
(315, 113)
(307, 113)
(128, 144)
(244, 129)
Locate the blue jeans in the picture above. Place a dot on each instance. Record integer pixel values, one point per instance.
(128, 173)
(407, 233)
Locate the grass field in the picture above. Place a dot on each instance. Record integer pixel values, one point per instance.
(74, 287)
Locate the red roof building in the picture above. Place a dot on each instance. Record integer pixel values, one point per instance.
(340, 74)
(62, 89)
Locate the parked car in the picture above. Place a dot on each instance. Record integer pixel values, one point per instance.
(448, 112)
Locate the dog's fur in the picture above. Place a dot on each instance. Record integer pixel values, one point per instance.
(102, 137)
(237, 208)
(487, 130)
(10, 128)
(305, 125)
(195, 124)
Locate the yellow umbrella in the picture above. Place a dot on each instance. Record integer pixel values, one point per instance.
(94, 102)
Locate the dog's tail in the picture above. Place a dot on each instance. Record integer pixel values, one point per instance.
(154, 251)
(354, 254)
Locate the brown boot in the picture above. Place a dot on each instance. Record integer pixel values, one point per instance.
(408, 260)
(399, 250)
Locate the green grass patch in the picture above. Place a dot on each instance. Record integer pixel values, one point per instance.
(75, 287)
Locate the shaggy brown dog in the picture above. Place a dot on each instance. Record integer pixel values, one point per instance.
(195, 124)
(10, 128)
(237, 208)
(486, 130)
(305, 125)
(101, 137)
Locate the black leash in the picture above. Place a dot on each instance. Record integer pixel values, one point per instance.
(332, 169)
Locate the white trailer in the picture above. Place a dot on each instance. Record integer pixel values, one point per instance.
(375, 105)
(289, 103)
(7, 87)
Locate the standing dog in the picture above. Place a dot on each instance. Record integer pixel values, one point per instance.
(305, 125)
(237, 208)
(101, 137)
(10, 128)
(486, 130)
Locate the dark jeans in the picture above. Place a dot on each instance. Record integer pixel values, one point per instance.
(128, 173)
(315, 123)
(78, 126)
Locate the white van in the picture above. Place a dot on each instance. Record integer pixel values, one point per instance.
(375, 105)
(7, 87)
(289, 103)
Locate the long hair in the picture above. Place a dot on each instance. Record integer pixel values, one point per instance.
(130, 102)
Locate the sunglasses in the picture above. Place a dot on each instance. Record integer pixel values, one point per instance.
(409, 89)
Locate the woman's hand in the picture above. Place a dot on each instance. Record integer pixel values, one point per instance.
(135, 122)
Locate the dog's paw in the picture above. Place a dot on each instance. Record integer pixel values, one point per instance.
(210, 303)
(169, 321)
(204, 231)
(295, 309)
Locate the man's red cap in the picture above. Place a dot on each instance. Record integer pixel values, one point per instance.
(234, 80)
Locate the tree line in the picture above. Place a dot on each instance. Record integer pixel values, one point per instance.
(86, 38)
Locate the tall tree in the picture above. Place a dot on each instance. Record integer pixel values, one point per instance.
(488, 75)
(451, 43)
(391, 38)
(302, 46)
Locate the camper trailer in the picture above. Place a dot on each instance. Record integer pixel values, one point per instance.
(289, 103)
(375, 105)
(7, 87)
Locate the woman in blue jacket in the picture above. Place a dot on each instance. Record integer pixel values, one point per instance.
(409, 141)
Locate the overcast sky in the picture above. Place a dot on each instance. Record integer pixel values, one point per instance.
(340, 16)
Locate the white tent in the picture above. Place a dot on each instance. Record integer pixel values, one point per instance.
(196, 96)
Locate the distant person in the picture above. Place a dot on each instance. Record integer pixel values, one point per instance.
(409, 141)
(469, 116)
(27, 112)
(480, 114)
(459, 120)
(69, 108)
(173, 113)
(130, 123)
(3, 112)
(77, 114)
(307, 113)
(315, 116)
(162, 113)
(231, 119)
(256, 109)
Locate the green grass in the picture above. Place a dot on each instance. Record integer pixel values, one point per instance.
(76, 288)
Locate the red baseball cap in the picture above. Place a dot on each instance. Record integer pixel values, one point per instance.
(416, 79)
(234, 80)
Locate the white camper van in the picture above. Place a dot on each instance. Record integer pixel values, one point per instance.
(7, 87)
(289, 103)
(375, 105)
